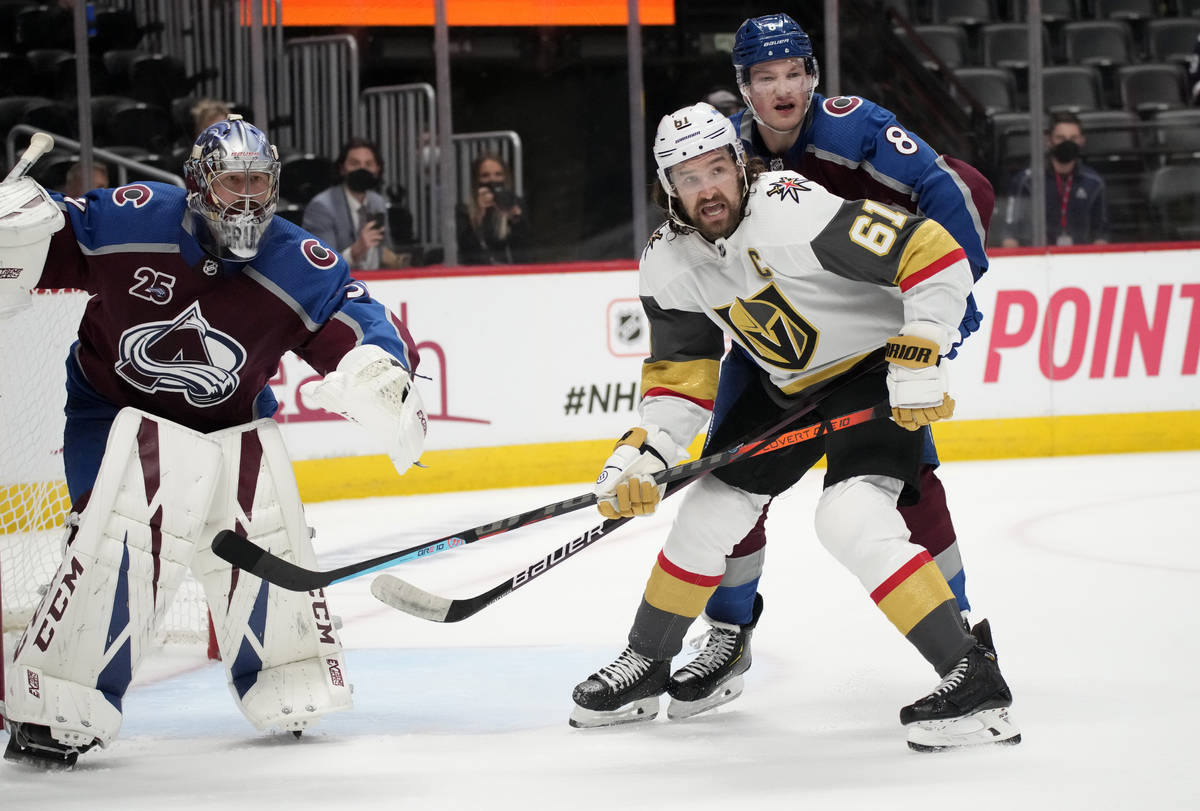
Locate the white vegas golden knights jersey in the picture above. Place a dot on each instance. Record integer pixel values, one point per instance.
(809, 284)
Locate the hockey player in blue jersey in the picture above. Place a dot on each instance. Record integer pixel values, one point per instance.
(855, 149)
(195, 296)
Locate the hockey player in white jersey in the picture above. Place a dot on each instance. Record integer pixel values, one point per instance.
(857, 296)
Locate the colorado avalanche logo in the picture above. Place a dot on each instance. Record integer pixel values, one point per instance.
(318, 255)
(135, 194)
(184, 355)
(842, 105)
(788, 188)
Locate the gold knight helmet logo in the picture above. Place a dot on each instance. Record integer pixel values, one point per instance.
(769, 326)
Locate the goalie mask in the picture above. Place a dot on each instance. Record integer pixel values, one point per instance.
(233, 185)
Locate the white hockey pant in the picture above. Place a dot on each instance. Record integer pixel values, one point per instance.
(714, 516)
(161, 494)
(858, 523)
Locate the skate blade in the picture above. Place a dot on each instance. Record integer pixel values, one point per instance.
(645, 709)
(678, 710)
(983, 727)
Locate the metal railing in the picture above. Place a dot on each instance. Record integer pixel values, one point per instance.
(324, 89)
(212, 38)
(400, 119)
(122, 163)
(505, 143)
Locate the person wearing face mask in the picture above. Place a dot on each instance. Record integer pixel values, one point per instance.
(352, 215)
(492, 226)
(1076, 199)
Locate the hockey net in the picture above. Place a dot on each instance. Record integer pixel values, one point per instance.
(33, 492)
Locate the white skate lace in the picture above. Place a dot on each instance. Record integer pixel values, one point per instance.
(717, 646)
(627, 669)
(952, 679)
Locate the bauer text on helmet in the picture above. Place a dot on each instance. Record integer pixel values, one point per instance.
(233, 185)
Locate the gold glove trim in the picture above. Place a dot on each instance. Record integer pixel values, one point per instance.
(912, 419)
(634, 438)
(912, 352)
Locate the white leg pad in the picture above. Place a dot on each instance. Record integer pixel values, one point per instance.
(282, 655)
(713, 517)
(125, 560)
(858, 523)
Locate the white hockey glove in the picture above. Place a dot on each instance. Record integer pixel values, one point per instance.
(28, 218)
(370, 387)
(626, 486)
(917, 383)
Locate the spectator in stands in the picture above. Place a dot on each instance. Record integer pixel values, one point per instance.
(73, 186)
(207, 112)
(1076, 199)
(492, 229)
(352, 217)
(726, 101)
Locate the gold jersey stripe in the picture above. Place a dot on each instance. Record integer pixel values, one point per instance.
(668, 593)
(911, 601)
(927, 244)
(836, 369)
(694, 379)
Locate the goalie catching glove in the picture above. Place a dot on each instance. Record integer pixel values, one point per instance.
(370, 387)
(917, 383)
(28, 218)
(626, 485)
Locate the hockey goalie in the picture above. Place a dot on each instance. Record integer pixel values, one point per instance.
(195, 296)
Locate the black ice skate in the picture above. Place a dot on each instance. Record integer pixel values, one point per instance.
(969, 707)
(33, 745)
(621, 693)
(714, 677)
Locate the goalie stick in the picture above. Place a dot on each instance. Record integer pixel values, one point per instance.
(404, 596)
(253, 559)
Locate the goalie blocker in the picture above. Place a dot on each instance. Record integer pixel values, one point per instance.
(161, 492)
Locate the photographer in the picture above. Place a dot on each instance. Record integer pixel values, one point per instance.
(492, 228)
(351, 217)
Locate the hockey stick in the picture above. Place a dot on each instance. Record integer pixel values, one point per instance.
(404, 596)
(253, 559)
(247, 556)
(39, 144)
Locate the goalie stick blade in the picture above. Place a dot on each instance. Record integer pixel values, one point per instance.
(404, 596)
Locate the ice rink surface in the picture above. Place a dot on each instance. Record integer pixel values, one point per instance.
(1088, 567)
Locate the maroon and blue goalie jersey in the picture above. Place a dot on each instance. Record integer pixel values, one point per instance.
(175, 332)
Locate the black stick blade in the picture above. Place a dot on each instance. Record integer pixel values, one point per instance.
(253, 559)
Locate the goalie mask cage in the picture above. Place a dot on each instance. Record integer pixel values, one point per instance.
(33, 492)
